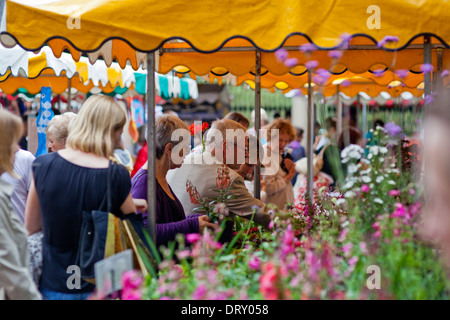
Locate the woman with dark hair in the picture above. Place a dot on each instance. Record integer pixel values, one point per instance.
(170, 216)
(239, 118)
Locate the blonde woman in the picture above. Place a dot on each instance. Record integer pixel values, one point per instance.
(15, 278)
(279, 190)
(58, 130)
(72, 180)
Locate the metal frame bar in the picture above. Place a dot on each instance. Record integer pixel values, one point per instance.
(309, 145)
(257, 175)
(295, 48)
(151, 177)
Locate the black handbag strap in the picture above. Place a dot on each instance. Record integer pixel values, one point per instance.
(107, 197)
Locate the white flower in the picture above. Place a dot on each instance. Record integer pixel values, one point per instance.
(340, 201)
(384, 150)
(369, 156)
(348, 185)
(346, 223)
(381, 159)
(374, 150)
(366, 179)
(345, 160)
(354, 155)
(392, 182)
(365, 161)
(366, 171)
(352, 168)
(349, 194)
(379, 179)
(378, 200)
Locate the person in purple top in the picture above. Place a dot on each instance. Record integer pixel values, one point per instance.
(170, 217)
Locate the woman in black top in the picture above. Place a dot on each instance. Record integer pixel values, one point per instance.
(70, 181)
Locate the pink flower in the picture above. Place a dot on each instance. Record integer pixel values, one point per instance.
(291, 62)
(193, 237)
(200, 292)
(131, 280)
(394, 193)
(412, 192)
(281, 54)
(335, 54)
(346, 249)
(427, 68)
(271, 224)
(343, 234)
(396, 232)
(267, 282)
(363, 247)
(365, 188)
(377, 234)
(312, 64)
(400, 211)
(183, 254)
(254, 263)
(353, 260)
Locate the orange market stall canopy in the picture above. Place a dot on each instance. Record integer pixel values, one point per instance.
(144, 26)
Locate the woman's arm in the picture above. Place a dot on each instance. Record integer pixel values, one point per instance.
(33, 216)
(128, 205)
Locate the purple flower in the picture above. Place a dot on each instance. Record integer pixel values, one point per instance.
(345, 83)
(281, 54)
(429, 99)
(335, 54)
(291, 62)
(365, 188)
(426, 68)
(312, 64)
(378, 72)
(321, 77)
(402, 73)
(386, 39)
(444, 73)
(307, 47)
(392, 129)
(345, 37)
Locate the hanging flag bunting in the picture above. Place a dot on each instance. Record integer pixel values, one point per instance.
(44, 116)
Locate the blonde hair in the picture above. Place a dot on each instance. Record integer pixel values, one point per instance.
(93, 129)
(11, 129)
(164, 127)
(58, 127)
(284, 127)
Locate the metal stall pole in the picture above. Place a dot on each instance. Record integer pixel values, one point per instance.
(69, 97)
(438, 81)
(364, 116)
(151, 174)
(427, 60)
(339, 111)
(258, 123)
(309, 144)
